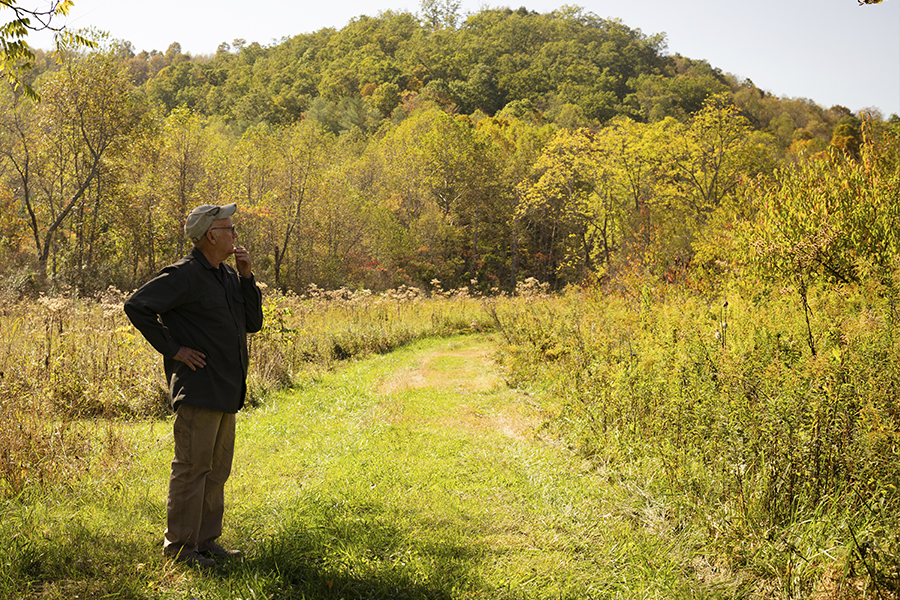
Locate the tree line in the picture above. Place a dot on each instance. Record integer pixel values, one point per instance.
(401, 149)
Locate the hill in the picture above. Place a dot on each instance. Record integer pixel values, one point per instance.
(401, 151)
(568, 67)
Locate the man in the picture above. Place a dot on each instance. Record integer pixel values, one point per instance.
(197, 313)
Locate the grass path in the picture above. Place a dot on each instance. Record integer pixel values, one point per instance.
(416, 474)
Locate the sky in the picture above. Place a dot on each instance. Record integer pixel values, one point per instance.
(833, 52)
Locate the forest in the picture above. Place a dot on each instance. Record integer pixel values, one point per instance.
(401, 149)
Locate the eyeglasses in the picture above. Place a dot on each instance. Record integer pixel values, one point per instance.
(232, 228)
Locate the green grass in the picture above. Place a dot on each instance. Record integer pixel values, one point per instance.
(414, 474)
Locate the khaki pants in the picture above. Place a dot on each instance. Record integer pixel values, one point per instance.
(204, 448)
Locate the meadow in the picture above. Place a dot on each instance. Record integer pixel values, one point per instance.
(677, 444)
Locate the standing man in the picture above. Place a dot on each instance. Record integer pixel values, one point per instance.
(197, 313)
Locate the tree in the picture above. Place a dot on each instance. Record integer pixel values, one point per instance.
(459, 174)
(706, 160)
(680, 93)
(441, 187)
(337, 227)
(833, 216)
(19, 148)
(281, 170)
(142, 193)
(183, 169)
(574, 207)
(385, 98)
(16, 56)
(627, 150)
(517, 146)
(300, 150)
(87, 112)
(440, 13)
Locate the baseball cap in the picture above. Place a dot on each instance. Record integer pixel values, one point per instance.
(199, 219)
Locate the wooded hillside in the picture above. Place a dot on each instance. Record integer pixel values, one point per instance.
(400, 149)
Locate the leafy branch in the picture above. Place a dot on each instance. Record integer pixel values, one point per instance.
(16, 56)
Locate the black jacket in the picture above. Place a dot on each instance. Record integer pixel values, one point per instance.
(192, 304)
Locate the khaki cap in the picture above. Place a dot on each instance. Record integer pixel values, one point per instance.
(200, 219)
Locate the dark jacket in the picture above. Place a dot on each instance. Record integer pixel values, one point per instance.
(192, 304)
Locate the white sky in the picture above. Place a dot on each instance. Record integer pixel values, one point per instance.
(830, 51)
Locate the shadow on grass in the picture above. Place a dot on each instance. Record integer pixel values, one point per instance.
(292, 566)
(361, 555)
(80, 564)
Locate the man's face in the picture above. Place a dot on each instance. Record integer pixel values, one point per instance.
(223, 236)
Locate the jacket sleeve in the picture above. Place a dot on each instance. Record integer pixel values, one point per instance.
(252, 304)
(144, 307)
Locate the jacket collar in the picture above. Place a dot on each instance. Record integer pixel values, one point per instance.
(202, 258)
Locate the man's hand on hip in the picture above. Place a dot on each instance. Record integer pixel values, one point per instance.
(192, 358)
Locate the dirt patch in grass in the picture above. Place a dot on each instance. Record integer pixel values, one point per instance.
(509, 422)
(485, 402)
(470, 368)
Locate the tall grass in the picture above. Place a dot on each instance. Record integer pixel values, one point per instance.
(790, 459)
(314, 330)
(63, 359)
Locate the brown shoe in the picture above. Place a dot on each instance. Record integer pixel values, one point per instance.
(215, 550)
(192, 559)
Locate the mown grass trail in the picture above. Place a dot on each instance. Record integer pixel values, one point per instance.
(417, 474)
(420, 474)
